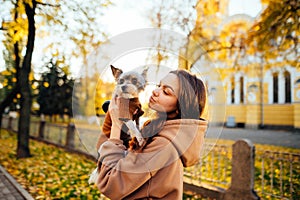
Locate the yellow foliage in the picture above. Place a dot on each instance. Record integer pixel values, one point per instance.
(6, 73)
(46, 84)
(29, 2)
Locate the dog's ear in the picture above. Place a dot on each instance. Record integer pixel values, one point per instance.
(116, 71)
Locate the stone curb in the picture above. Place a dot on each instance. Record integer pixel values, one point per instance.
(10, 188)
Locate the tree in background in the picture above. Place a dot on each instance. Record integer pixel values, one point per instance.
(276, 32)
(173, 15)
(55, 91)
(20, 29)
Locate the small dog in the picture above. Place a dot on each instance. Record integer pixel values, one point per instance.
(129, 85)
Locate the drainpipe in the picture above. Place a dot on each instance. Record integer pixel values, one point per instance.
(261, 126)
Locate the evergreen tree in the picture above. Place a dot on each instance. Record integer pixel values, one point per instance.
(55, 91)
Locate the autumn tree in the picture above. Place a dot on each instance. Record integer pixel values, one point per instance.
(21, 30)
(7, 84)
(12, 49)
(276, 32)
(173, 15)
(198, 20)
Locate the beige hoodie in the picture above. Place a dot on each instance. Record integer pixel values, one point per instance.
(157, 171)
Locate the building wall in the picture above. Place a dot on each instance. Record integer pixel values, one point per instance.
(274, 111)
(262, 99)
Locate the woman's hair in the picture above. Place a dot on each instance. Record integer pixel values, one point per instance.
(192, 95)
(191, 102)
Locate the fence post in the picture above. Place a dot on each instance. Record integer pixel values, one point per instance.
(242, 176)
(9, 125)
(42, 129)
(70, 140)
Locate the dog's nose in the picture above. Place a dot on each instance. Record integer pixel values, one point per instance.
(124, 87)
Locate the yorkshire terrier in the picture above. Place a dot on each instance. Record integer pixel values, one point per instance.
(129, 85)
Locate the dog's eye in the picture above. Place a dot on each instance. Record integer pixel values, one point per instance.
(134, 81)
(121, 81)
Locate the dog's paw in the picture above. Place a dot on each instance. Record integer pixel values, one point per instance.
(93, 176)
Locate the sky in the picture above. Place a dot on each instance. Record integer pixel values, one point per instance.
(127, 15)
(250, 7)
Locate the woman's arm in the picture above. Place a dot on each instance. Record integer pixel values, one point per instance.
(121, 173)
(112, 181)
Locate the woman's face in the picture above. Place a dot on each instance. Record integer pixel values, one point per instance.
(164, 97)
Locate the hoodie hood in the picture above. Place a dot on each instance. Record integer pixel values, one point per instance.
(187, 136)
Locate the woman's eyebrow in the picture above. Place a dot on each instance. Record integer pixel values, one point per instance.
(167, 86)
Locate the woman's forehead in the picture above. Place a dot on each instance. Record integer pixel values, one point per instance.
(170, 78)
(172, 81)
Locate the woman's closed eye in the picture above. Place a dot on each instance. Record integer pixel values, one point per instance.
(166, 90)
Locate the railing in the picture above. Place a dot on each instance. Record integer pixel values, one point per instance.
(214, 168)
(277, 174)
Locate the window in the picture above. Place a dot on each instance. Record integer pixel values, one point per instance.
(242, 90)
(287, 78)
(232, 89)
(275, 87)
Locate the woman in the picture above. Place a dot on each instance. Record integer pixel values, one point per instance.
(172, 141)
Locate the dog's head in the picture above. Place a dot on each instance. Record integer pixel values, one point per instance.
(129, 84)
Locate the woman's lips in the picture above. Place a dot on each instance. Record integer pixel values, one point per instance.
(152, 100)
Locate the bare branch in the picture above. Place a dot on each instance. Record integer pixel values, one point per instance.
(47, 4)
(215, 50)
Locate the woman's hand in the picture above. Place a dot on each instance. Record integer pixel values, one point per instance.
(114, 114)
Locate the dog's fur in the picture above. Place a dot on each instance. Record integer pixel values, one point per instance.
(129, 85)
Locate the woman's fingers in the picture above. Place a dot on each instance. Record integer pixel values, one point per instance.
(114, 110)
(114, 104)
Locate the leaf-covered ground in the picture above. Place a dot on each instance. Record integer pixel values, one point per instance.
(51, 172)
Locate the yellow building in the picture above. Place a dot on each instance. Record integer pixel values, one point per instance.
(257, 93)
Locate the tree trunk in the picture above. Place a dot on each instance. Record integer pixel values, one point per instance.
(24, 120)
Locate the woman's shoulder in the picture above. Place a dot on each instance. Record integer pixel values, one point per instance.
(156, 143)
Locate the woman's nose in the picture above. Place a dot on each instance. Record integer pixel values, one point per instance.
(155, 92)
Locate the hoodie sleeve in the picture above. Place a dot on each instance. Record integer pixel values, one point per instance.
(122, 173)
(116, 178)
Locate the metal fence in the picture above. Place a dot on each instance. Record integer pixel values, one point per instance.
(214, 168)
(277, 174)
